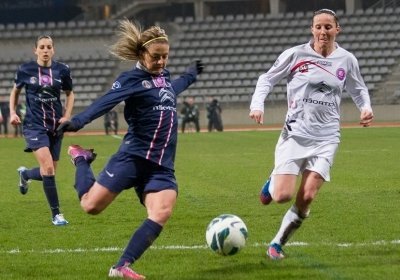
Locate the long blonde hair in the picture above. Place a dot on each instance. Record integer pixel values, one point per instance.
(132, 42)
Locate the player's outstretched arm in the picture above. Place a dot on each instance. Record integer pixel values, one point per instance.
(184, 81)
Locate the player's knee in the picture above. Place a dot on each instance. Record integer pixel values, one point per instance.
(282, 197)
(282, 193)
(92, 210)
(48, 170)
(161, 215)
(90, 207)
(309, 196)
(282, 188)
(165, 214)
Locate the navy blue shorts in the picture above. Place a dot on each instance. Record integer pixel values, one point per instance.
(124, 171)
(36, 139)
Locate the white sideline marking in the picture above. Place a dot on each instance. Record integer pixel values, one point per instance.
(193, 247)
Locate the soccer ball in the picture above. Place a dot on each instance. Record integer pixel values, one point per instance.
(226, 234)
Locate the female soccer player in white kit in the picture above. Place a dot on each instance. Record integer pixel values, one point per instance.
(317, 73)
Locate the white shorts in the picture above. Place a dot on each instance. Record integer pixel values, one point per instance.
(295, 154)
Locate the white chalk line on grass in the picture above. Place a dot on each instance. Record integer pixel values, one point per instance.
(116, 136)
(192, 247)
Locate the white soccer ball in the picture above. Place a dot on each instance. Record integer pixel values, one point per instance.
(226, 234)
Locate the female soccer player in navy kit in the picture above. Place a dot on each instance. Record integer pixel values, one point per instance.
(43, 80)
(145, 160)
(317, 74)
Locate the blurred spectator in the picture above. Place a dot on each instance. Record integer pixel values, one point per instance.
(190, 114)
(214, 116)
(1, 117)
(5, 113)
(111, 122)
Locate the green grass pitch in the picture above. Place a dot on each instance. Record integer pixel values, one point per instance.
(353, 231)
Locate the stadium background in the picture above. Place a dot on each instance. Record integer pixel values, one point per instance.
(237, 41)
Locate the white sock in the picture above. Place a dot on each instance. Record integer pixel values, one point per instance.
(290, 223)
(271, 188)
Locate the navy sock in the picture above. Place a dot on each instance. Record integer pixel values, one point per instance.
(140, 241)
(49, 186)
(84, 178)
(33, 174)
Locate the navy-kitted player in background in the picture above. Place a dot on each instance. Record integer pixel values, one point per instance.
(43, 80)
(145, 159)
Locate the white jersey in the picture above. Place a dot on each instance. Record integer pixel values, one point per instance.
(314, 89)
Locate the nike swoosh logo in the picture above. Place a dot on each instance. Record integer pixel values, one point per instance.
(57, 80)
(110, 174)
(34, 139)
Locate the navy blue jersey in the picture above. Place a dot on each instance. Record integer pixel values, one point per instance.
(150, 111)
(43, 86)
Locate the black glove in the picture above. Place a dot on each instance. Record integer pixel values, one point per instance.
(66, 126)
(199, 66)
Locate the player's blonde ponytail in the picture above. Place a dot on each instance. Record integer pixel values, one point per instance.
(127, 47)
